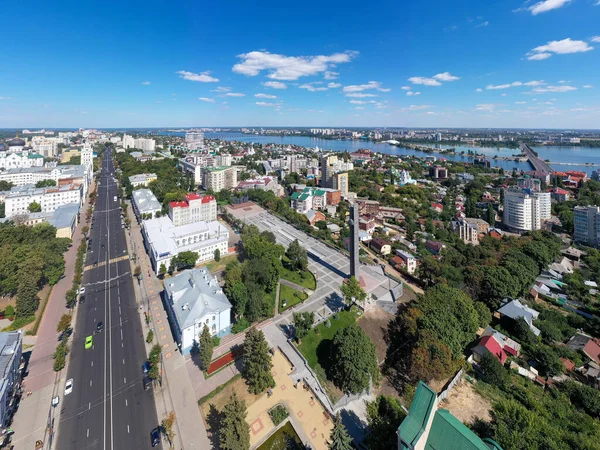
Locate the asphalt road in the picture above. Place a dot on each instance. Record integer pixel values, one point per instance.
(108, 408)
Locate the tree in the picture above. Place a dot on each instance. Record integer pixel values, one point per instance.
(162, 270)
(384, 415)
(238, 295)
(150, 336)
(185, 260)
(515, 426)
(339, 439)
(354, 360)
(352, 291)
(45, 183)
(27, 299)
(257, 365)
(297, 256)
(492, 371)
(471, 207)
(64, 323)
(167, 426)
(217, 255)
(85, 229)
(234, 431)
(34, 207)
(71, 297)
(491, 215)
(60, 355)
(206, 347)
(5, 186)
(303, 323)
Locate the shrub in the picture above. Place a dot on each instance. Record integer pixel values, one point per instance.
(278, 414)
(10, 311)
(150, 336)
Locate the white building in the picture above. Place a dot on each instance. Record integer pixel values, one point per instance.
(587, 225)
(163, 240)
(409, 260)
(146, 145)
(194, 208)
(263, 183)
(194, 140)
(467, 231)
(128, 141)
(142, 179)
(47, 147)
(144, 203)
(20, 160)
(525, 211)
(219, 178)
(49, 198)
(11, 346)
(193, 300)
(87, 157)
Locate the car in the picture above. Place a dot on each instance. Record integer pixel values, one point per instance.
(82, 299)
(89, 342)
(99, 327)
(146, 367)
(82, 291)
(155, 437)
(69, 386)
(147, 382)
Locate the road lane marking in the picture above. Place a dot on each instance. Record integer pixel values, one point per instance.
(126, 402)
(121, 334)
(124, 380)
(92, 363)
(90, 382)
(88, 433)
(123, 361)
(89, 406)
(127, 428)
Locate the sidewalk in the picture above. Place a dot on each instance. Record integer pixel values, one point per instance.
(176, 393)
(31, 419)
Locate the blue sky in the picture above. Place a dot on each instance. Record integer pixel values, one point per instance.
(430, 63)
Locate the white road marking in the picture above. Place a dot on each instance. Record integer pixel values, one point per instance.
(126, 402)
(121, 334)
(89, 406)
(90, 382)
(88, 433)
(123, 361)
(127, 428)
(92, 363)
(124, 380)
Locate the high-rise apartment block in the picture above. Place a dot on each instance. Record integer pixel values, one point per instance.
(219, 178)
(332, 175)
(194, 140)
(587, 225)
(525, 210)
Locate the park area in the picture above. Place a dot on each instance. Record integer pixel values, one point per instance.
(304, 278)
(289, 297)
(308, 415)
(316, 348)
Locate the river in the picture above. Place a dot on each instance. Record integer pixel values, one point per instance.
(572, 155)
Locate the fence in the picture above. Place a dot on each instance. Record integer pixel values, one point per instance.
(444, 394)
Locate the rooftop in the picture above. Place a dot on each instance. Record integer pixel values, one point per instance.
(146, 201)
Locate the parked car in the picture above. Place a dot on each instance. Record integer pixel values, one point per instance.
(155, 437)
(69, 386)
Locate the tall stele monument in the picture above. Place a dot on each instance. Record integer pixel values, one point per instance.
(354, 246)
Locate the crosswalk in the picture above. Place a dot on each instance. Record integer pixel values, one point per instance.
(103, 263)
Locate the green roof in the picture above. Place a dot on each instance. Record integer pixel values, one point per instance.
(318, 193)
(303, 197)
(216, 169)
(295, 196)
(34, 155)
(449, 433)
(412, 427)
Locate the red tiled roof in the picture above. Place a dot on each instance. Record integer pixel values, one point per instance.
(192, 196)
(494, 348)
(178, 204)
(592, 350)
(560, 191)
(207, 198)
(569, 365)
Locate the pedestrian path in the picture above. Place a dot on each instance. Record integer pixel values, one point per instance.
(103, 263)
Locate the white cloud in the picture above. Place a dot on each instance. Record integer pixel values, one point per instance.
(411, 93)
(587, 86)
(435, 80)
(419, 107)
(265, 104)
(504, 95)
(360, 107)
(520, 103)
(334, 85)
(146, 83)
(478, 90)
(360, 95)
(329, 75)
(281, 67)
(311, 88)
(595, 39)
(358, 102)
(406, 88)
(206, 99)
(203, 77)
(235, 94)
(265, 96)
(504, 86)
(534, 83)
(445, 76)
(221, 89)
(482, 24)
(274, 84)
(364, 87)
(547, 5)
(485, 106)
(562, 88)
(562, 47)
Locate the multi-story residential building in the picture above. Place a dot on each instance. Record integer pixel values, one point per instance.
(596, 175)
(527, 182)
(467, 231)
(163, 240)
(193, 300)
(146, 145)
(47, 147)
(409, 260)
(194, 140)
(587, 225)
(87, 157)
(142, 179)
(20, 197)
(145, 204)
(262, 183)
(525, 211)
(219, 178)
(20, 160)
(340, 182)
(194, 208)
(11, 364)
(438, 172)
(302, 202)
(65, 219)
(312, 198)
(128, 141)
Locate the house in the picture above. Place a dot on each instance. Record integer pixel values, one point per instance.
(145, 204)
(193, 299)
(408, 260)
(495, 233)
(468, 232)
(380, 246)
(435, 247)
(587, 344)
(366, 223)
(515, 310)
(314, 216)
(508, 345)
(560, 195)
(488, 344)
(437, 207)
(426, 427)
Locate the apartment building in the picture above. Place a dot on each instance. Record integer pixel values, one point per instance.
(587, 225)
(525, 210)
(20, 197)
(219, 178)
(194, 208)
(142, 179)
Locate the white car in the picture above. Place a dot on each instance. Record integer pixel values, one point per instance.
(69, 386)
(82, 291)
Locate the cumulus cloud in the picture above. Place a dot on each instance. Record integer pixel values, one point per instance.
(595, 39)
(235, 94)
(435, 80)
(265, 96)
(482, 24)
(358, 102)
(221, 89)
(561, 88)
(203, 77)
(412, 93)
(265, 104)
(334, 85)
(146, 83)
(360, 95)
(312, 88)
(515, 84)
(485, 106)
(562, 47)
(406, 88)
(547, 5)
(364, 87)
(478, 90)
(274, 85)
(520, 103)
(329, 75)
(206, 99)
(419, 107)
(281, 67)
(587, 86)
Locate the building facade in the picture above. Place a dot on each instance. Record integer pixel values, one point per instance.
(142, 179)
(11, 345)
(145, 204)
(219, 178)
(587, 225)
(194, 208)
(525, 210)
(20, 160)
(19, 199)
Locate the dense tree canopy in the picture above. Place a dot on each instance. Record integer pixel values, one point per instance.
(257, 365)
(384, 415)
(234, 431)
(354, 360)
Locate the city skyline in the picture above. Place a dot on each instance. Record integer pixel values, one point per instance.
(150, 64)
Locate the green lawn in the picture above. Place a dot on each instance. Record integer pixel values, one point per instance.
(214, 266)
(308, 281)
(320, 333)
(289, 295)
